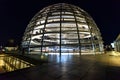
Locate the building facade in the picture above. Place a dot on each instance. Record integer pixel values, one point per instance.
(62, 28)
(117, 44)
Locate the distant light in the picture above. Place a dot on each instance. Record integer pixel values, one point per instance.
(112, 44)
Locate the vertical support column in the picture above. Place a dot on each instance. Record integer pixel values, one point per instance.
(28, 50)
(60, 29)
(44, 31)
(92, 40)
(119, 45)
(79, 45)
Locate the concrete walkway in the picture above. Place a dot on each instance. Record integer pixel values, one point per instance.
(98, 67)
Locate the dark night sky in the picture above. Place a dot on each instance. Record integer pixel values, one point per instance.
(16, 14)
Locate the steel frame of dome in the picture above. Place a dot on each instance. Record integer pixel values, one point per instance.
(62, 28)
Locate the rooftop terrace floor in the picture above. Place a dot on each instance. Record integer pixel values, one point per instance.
(71, 67)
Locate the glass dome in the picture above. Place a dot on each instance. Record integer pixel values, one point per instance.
(62, 29)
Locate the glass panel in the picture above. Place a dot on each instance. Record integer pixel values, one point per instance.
(67, 16)
(54, 17)
(51, 39)
(53, 25)
(55, 13)
(38, 27)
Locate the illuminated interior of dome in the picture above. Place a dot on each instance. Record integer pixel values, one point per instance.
(62, 28)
